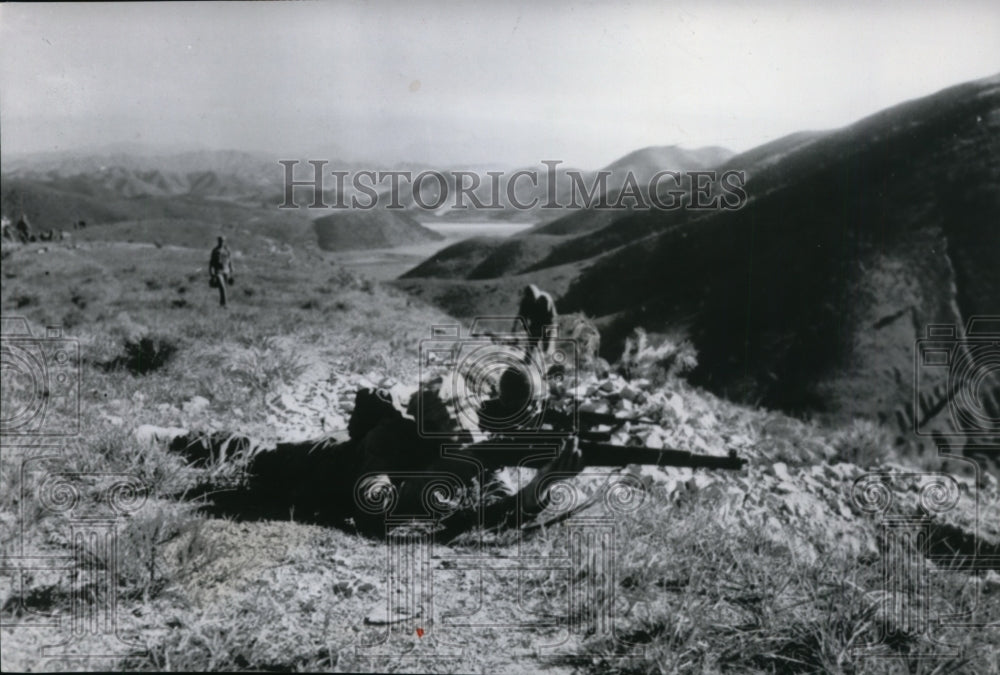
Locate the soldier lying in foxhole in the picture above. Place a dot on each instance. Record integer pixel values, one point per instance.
(437, 459)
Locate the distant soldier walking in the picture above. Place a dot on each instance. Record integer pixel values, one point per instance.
(220, 269)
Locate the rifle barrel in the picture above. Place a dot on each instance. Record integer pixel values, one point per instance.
(566, 421)
(495, 454)
(606, 454)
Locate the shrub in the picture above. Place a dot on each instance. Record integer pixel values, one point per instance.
(864, 443)
(144, 354)
(671, 357)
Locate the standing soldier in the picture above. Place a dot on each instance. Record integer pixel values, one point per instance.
(220, 269)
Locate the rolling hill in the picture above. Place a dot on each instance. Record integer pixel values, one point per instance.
(164, 219)
(261, 236)
(559, 229)
(116, 196)
(453, 262)
(647, 161)
(377, 228)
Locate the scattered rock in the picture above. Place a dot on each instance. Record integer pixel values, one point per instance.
(612, 386)
(381, 617)
(633, 394)
(196, 404)
(149, 433)
(595, 406)
(780, 471)
(624, 406)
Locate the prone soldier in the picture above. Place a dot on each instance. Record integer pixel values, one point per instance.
(386, 461)
(396, 451)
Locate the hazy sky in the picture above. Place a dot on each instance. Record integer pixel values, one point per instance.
(476, 82)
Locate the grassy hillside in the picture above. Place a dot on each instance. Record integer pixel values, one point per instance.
(260, 236)
(845, 545)
(378, 228)
(48, 207)
(794, 299)
(61, 203)
(512, 256)
(456, 260)
(468, 298)
(772, 569)
(647, 161)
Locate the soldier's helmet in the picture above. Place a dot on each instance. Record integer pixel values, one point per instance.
(515, 389)
(370, 407)
(514, 405)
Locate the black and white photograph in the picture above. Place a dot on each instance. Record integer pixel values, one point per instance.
(572, 337)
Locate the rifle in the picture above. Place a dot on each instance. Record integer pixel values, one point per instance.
(592, 419)
(534, 453)
(562, 421)
(593, 444)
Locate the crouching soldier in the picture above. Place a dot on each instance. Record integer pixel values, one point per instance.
(538, 311)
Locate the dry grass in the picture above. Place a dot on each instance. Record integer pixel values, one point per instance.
(708, 592)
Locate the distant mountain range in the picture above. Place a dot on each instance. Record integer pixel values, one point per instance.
(135, 158)
(552, 183)
(56, 190)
